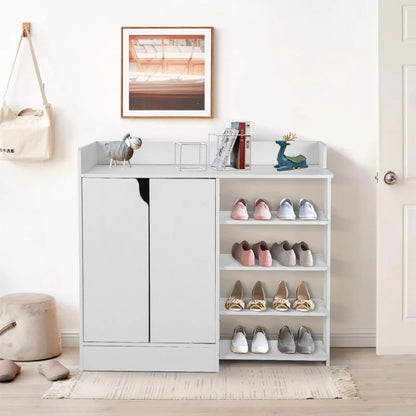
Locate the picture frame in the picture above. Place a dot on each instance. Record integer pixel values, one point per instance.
(167, 72)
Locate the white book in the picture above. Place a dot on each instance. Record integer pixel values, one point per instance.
(224, 149)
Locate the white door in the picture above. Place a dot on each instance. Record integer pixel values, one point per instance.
(115, 260)
(182, 261)
(396, 286)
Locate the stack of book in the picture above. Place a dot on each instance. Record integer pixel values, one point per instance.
(234, 148)
(241, 153)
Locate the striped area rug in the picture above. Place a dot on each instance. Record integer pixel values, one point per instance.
(233, 382)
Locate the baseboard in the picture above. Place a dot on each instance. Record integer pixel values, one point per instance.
(354, 338)
(70, 337)
(348, 338)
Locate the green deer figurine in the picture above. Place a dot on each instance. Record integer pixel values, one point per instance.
(289, 162)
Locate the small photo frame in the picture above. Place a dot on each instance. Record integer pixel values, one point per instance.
(166, 71)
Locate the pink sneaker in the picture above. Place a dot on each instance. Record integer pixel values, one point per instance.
(261, 210)
(243, 253)
(239, 211)
(262, 252)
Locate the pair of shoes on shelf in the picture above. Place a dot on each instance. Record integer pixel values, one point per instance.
(286, 341)
(247, 255)
(288, 255)
(281, 303)
(257, 303)
(306, 210)
(302, 302)
(261, 210)
(259, 343)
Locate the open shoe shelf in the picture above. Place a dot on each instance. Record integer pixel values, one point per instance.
(320, 310)
(273, 354)
(322, 225)
(225, 219)
(228, 262)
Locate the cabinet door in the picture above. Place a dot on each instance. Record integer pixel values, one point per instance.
(182, 260)
(115, 260)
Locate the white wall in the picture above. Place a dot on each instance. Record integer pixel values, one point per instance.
(302, 65)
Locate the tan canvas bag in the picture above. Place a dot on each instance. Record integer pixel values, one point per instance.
(28, 134)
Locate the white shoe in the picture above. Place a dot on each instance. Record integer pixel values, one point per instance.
(239, 343)
(259, 345)
(306, 210)
(285, 211)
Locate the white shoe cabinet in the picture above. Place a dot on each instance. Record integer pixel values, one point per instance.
(150, 259)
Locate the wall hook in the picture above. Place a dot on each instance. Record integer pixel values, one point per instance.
(25, 28)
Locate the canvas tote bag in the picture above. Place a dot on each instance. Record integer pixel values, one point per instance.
(28, 134)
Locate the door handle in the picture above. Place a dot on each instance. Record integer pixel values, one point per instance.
(390, 178)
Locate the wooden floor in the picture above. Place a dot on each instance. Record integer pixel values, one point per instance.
(387, 387)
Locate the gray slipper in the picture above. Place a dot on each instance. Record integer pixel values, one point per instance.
(8, 370)
(53, 370)
(286, 341)
(305, 341)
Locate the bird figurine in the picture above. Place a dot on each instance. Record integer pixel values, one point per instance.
(289, 162)
(122, 151)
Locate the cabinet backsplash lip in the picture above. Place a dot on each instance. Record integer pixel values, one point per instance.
(161, 154)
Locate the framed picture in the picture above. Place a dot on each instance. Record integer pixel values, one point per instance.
(166, 71)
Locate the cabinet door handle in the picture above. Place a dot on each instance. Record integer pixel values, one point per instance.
(144, 189)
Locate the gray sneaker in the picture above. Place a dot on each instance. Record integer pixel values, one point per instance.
(306, 344)
(303, 253)
(286, 341)
(284, 253)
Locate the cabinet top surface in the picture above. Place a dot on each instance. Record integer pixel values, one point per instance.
(156, 160)
(171, 171)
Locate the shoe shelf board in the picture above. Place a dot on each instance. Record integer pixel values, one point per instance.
(170, 171)
(320, 310)
(273, 354)
(225, 219)
(227, 262)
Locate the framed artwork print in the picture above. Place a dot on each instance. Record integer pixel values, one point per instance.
(166, 71)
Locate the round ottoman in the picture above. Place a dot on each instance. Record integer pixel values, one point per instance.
(28, 327)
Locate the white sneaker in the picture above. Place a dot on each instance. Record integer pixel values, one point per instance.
(239, 343)
(306, 210)
(285, 211)
(259, 345)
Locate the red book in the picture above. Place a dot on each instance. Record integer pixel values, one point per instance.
(242, 143)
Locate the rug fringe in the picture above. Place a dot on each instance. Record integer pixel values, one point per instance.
(62, 389)
(344, 383)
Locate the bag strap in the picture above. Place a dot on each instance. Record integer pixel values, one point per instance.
(35, 64)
